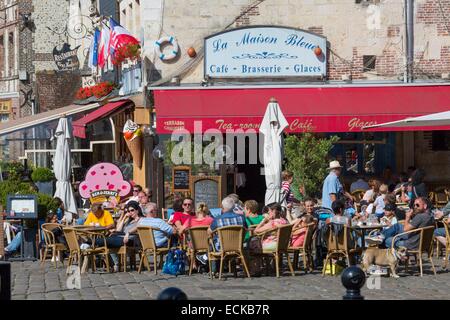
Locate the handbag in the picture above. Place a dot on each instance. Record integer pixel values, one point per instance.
(175, 262)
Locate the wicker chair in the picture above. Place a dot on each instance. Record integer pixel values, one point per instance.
(447, 245)
(283, 241)
(200, 244)
(340, 245)
(230, 239)
(123, 252)
(425, 246)
(305, 250)
(51, 244)
(76, 253)
(147, 238)
(440, 197)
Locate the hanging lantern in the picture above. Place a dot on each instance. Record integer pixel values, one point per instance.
(318, 51)
(191, 52)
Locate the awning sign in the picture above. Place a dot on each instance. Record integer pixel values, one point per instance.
(257, 52)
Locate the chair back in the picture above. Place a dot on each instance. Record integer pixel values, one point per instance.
(426, 239)
(338, 242)
(231, 238)
(284, 237)
(311, 227)
(440, 198)
(49, 237)
(447, 231)
(71, 238)
(147, 237)
(199, 238)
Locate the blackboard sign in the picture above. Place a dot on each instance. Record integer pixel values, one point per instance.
(207, 190)
(181, 177)
(66, 59)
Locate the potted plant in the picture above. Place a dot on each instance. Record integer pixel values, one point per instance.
(43, 179)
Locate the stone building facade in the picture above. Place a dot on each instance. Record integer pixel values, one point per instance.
(366, 43)
(366, 38)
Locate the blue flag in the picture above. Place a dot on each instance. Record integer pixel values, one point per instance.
(93, 50)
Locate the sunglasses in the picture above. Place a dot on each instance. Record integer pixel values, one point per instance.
(135, 190)
(417, 205)
(131, 210)
(187, 204)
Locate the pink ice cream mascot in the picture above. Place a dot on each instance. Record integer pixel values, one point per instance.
(104, 181)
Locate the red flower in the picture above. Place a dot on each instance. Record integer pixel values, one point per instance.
(99, 90)
(128, 51)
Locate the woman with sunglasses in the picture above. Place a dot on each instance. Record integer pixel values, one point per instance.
(128, 221)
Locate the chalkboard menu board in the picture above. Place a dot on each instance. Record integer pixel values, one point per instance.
(181, 178)
(207, 190)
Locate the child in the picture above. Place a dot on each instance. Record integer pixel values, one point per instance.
(299, 230)
(287, 194)
(379, 201)
(251, 216)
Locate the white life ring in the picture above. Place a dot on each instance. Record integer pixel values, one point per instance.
(173, 53)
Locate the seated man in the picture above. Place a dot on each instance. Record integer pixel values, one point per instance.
(418, 218)
(227, 218)
(165, 230)
(338, 217)
(99, 217)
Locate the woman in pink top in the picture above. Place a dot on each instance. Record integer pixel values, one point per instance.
(299, 230)
(202, 218)
(271, 223)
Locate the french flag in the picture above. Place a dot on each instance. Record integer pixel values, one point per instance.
(119, 37)
(93, 50)
(103, 49)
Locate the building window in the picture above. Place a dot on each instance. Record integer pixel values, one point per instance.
(11, 38)
(369, 63)
(440, 141)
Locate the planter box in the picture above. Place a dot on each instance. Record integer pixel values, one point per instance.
(46, 188)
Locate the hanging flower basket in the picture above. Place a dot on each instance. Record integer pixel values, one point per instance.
(98, 91)
(128, 51)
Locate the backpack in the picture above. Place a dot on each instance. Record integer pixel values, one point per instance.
(175, 262)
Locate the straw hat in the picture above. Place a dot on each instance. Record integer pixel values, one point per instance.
(334, 165)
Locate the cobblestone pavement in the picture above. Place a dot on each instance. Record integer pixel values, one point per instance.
(31, 281)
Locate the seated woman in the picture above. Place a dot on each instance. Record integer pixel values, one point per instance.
(202, 218)
(299, 230)
(120, 236)
(271, 223)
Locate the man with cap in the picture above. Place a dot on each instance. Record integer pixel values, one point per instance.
(332, 188)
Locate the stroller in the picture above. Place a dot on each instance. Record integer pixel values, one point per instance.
(320, 242)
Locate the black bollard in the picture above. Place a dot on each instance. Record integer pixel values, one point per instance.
(353, 278)
(5, 282)
(172, 293)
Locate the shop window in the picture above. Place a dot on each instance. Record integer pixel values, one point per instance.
(440, 140)
(369, 63)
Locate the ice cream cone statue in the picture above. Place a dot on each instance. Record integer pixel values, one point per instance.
(133, 137)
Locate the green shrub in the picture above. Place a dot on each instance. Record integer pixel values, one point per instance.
(14, 187)
(42, 175)
(46, 204)
(12, 169)
(307, 157)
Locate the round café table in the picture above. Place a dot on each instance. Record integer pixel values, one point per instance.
(364, 228)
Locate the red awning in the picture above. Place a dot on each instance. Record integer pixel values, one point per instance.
(79, 126)
(319, 109)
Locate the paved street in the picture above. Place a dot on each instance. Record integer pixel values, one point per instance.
(30, 281)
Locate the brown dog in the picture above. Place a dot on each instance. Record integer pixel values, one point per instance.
(383, 257)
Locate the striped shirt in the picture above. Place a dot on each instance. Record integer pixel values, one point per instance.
(286, 189)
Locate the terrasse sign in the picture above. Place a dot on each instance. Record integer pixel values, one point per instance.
(264, 51)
